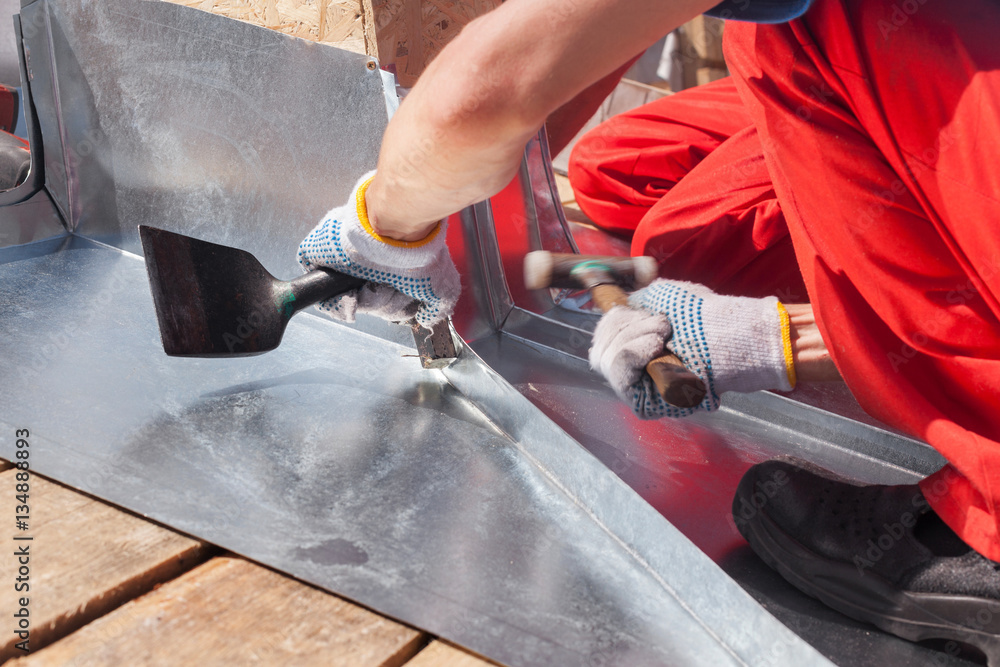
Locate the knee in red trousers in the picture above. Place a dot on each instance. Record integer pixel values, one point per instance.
(686, 175)
(625, 165)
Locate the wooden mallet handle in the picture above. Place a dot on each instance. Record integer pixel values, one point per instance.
(676, 384)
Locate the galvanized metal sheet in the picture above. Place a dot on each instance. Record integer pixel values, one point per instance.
(443, 498)
(378, 480)
(29, 221)
(157, 113)
(688, 469)
(10, 71)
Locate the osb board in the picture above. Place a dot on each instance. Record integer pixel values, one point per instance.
(437, 22)
(338, 22)
(701, 50)
(404, 35)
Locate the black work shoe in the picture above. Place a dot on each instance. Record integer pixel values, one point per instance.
(875, 553)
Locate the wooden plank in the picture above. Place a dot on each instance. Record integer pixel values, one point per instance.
(414, 63)
(566, 194)
(85, 558)
(336, 22)
(398, 23)
(705, 34)
(701, 48)
(229, 611)
(629, 95)
(440, 654)
(405, 35)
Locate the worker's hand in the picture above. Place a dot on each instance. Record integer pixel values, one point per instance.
(407, 279)
(731, 343)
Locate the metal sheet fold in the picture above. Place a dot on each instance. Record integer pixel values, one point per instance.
(378, 480)
(444, 498)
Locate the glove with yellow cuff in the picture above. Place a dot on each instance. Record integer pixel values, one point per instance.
(406, 278)
(731, 343)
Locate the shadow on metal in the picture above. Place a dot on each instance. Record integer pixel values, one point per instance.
(463, 501)
(688, 469)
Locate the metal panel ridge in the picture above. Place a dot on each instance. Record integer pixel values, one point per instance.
(338, 460)
(442, 498)
(714, 603)
(27, 212)
(158, 113)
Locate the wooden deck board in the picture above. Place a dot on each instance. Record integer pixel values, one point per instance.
(440, 654)
(566, 194)
(108, 587)
(568, 200)
(85, 559)
(230, 611)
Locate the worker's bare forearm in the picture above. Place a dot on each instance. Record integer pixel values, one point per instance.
(811, 356)
(458, 136)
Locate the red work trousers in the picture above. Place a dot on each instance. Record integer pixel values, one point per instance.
(718, 224)
(878, 122)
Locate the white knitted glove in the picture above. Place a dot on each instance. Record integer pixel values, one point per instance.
(407, 279)
(731, 343)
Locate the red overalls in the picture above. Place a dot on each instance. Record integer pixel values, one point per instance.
(855, 150)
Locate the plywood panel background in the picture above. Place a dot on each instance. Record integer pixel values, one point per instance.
(701, 49)
(404, 35)
(411, 32)
(337, 22)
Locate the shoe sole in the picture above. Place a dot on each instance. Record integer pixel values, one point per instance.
(868, 597)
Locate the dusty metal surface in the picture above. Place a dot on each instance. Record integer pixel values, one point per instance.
(442, 498)
(29, 221)
(159, 114)
(463, 501)
(379, 480)
(10, 73)
(688, 469)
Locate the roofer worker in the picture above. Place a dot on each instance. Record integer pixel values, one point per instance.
(875, 123)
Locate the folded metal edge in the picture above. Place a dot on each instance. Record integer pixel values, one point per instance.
(715, 602)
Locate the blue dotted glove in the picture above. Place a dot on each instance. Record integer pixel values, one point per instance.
(407, 279)
(731, 343)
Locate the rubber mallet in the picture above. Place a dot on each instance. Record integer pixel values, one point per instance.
(603, 277)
